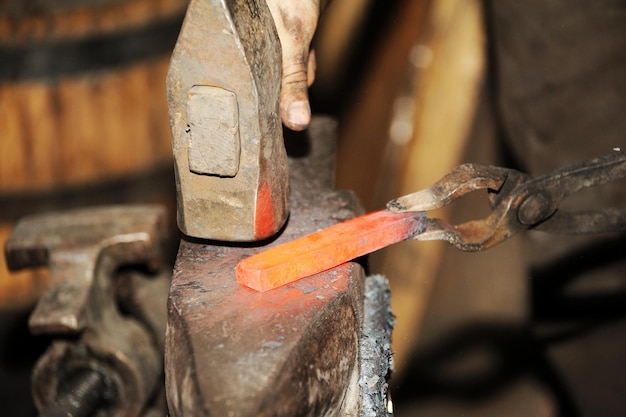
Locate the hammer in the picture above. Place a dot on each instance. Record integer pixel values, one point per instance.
(223, 90)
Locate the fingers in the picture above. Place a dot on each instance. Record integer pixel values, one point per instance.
(294, 101)
(295, 23)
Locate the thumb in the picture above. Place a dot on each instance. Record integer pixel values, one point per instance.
(295, 23)
(298, 75)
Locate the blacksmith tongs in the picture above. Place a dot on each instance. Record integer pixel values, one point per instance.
(518, 202)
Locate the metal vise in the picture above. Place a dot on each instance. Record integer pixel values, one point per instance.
(106, 316)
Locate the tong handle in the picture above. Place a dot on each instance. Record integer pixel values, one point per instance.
(547, 192)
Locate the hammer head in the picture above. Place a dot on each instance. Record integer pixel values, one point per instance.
(223, 94)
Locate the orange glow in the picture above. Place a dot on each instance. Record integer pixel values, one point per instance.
(264, 225)
(327, 248)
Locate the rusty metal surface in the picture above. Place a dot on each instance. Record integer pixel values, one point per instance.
(223, 93)
(108, 323)
(231, 351)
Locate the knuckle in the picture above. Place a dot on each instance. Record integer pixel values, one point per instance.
(293, 76)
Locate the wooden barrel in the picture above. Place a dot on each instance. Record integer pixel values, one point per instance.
(83, 113)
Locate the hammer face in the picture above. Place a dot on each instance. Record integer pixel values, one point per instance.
(223, 94)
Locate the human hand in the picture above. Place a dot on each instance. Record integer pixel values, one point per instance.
(296, 22)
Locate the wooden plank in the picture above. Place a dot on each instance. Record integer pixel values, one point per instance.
(441, 54)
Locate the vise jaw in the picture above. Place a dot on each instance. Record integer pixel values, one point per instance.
(223, 91)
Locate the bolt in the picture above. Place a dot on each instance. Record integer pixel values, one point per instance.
(81, 396)
(534, 209)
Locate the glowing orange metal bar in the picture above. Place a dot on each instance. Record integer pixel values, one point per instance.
(327, 248)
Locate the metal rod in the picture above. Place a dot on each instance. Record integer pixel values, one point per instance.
(81, 397)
